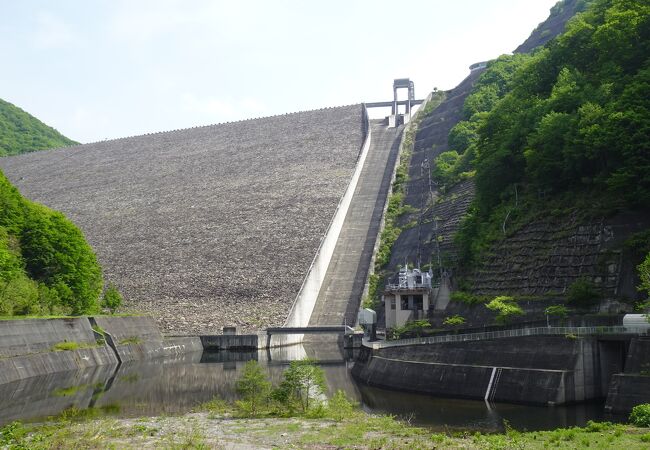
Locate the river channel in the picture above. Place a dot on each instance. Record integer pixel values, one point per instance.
(177, 385)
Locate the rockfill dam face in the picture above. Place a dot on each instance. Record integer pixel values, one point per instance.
(208, 226)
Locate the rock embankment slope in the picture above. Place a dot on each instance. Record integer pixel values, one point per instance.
(207, 226)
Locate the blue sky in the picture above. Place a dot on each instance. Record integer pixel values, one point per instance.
(98, 69)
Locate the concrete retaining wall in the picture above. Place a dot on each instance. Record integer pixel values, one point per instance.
(23, 337)
(26, 346)
(159, 349)
(533, 386)
(531, 370)
(138, 338)
(232, 341)
(632, 387)
(26, 366)
(627, 391)
(125, 328)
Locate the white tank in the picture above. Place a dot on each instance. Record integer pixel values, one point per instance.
(636, 321)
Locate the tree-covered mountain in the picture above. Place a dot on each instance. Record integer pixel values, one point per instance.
(46, 265)
(554, 25)
(566, 125)
(21, 132)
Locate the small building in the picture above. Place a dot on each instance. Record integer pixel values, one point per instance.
(407, 297)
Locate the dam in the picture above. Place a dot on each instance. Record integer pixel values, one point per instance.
(237, 224)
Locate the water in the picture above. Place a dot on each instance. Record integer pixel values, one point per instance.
(176, 386)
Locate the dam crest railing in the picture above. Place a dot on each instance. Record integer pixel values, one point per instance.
(521, 332)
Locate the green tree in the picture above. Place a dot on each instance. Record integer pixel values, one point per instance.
(559, 311)
(583, 293)
(254, 388)
(505, 307)
(454, 321)
(46, 266)
(112, 299)
(570, 121)
(56, 253)
(303, 383)
(643, 270)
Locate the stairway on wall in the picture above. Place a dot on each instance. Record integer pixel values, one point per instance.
(340, 295)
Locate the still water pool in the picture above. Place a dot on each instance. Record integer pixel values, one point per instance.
(177, 385)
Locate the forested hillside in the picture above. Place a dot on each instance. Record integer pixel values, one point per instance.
(566, 126)
(46, 266)
(20, 132)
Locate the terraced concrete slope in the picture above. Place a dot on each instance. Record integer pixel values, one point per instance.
(340, 295)
(206, 226)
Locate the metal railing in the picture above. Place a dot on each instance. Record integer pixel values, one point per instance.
(521, 332)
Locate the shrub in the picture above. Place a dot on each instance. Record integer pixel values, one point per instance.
(467, 298)
(643, 270)
(640, 415)
(505, 307)
(46, 266)
(303, 384)
(582, 293)
(253, 387)
(339, 407)
(112, 299)
(559, 311)
(454, 320)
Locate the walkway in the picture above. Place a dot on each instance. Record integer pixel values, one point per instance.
(520, 332)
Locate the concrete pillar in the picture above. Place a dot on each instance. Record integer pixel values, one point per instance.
(394, 109)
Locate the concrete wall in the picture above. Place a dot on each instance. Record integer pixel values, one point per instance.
(632, 387)
(22, 337)
(232, 341)
(26, 366)
(138, 337)
(533, 370)
(26, 346)
(304, 302)
(533, 386)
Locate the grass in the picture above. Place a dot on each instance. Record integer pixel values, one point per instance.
(71, 345)
(198, 431)
(131, 340)
(60, 316)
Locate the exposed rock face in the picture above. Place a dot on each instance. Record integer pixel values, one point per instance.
(554, 24)
(206, 226)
